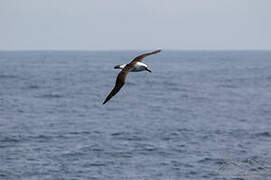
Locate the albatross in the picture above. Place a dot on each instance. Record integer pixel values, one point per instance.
(135, 65)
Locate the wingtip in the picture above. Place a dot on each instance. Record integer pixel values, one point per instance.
(159, 50)
(105, 101)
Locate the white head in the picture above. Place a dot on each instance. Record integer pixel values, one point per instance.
(120, 66)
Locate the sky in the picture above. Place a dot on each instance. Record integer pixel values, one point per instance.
(135, 24)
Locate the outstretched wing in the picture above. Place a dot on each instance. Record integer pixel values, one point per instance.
(122, 75)
(119, 83)
(140, 58)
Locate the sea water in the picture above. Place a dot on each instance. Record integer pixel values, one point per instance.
(199, 115)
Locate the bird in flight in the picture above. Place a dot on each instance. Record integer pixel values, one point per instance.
(135, 65)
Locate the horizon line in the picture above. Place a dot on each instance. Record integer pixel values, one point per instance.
(92, 50)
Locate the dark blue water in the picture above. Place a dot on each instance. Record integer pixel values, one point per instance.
(199, 115)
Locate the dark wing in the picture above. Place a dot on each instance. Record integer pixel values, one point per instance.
(140, 58)
(119, 83)
(122, 75)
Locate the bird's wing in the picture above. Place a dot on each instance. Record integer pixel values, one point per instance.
(140, 57)
(119, 82)
(122, 75)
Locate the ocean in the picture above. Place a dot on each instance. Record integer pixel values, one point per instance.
(200, 115)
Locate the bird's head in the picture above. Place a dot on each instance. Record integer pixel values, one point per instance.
(119, 66)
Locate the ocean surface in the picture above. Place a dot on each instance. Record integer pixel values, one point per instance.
(201, 115)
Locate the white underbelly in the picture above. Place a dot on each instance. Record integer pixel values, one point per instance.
(138, 68)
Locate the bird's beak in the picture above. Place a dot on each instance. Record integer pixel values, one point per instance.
(148, 69)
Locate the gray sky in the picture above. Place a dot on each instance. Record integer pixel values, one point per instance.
(134, 24)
